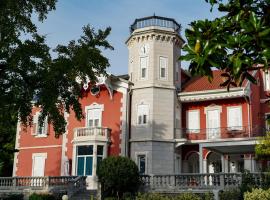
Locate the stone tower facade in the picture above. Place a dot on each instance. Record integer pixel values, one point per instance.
(154, 49)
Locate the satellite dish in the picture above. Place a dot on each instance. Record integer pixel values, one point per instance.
(95, 90)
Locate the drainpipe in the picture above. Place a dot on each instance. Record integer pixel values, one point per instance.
(128, 113)
(249, 113)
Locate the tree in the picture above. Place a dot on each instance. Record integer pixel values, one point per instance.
(29, 76)
(118, 175)
(236, 43)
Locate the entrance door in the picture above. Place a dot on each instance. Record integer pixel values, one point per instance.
(213, 124)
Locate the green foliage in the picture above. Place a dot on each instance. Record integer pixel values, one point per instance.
(187, 196)
(30, 76)
(248, 183)
(155, 196)
(256, 194)
(262, 148)
(208, 196)
(236, 42)
(118, 175)
(231, 194)
(35, 196)
(13, 197)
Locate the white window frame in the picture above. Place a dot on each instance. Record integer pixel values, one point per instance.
(166, 67)
(146, 68)
(266, 84)
(138, 114)
(241, 117)
(44, 155)
(187, 120)
(36, 123)
(92, 107)
(137, 155)
(211, 108)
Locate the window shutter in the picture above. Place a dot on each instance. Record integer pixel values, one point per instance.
(193, 120)
(234, 118)
(45, 125)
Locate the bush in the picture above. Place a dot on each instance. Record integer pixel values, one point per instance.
(152, 196)
(187, 196)
(256, 194)
(35, 196)
(118, 175)
(248, 183)
(208, 196)
(232, 194)
(13, 197)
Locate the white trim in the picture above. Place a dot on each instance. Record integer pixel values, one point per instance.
(40, 147)
(64, 158)
(264, 80)
(142, 153)
(213, 94)
(17, 145)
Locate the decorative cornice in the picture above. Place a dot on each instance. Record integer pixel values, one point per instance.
(214, 94)
(157, 35)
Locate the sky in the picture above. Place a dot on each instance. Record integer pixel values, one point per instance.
(66, 22)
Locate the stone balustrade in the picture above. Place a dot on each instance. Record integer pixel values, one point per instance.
(92, 133)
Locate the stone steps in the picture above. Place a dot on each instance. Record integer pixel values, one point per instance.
(85, 195)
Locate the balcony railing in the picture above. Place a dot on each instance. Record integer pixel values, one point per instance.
(92, 133)
(68, 184)
(224, 132)
(197, 181)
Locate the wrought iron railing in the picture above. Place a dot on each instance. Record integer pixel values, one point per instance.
(224, 132)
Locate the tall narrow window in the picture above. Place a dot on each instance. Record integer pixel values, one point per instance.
(142, 164)
(267, 123)
(193, 121)
(144, 67)
(163, 67)
(142, 114)
(176, 71)
(85, 160)
(39, 129)
(234, 118)
(94, 117)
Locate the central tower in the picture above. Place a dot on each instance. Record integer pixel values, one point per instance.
(154, 49)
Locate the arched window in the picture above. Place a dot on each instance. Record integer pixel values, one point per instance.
(142, 114)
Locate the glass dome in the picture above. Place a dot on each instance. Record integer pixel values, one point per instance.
(155, 21)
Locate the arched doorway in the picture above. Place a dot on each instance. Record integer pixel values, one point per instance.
(193, 163)
(214, 163)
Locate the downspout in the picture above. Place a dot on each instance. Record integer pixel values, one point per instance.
(249, 113)
(128, 113)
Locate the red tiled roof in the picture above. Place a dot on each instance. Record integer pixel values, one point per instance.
(201, 83)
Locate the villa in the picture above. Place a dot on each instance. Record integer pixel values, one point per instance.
(158, 115)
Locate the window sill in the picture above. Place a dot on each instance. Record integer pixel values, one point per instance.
(41, 136)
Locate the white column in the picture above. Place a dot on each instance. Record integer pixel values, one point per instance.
(248, 162)
(204, 165)
(201, 158)
(226, 164)
(222, 163)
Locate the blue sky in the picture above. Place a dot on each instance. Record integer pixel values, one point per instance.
(66, 22)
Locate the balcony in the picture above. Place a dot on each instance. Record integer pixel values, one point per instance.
(100, 134)
(224, 132)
